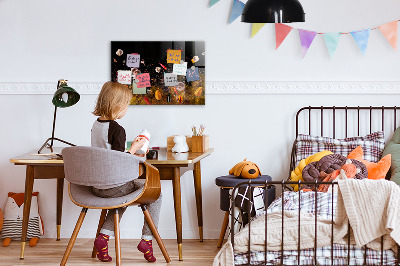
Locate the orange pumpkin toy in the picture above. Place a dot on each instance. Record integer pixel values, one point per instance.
(245, 169)
(375, 170)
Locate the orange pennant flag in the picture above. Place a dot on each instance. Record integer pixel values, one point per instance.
(389, 30)
(281, 31)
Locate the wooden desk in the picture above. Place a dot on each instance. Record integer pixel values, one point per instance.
(171, 167)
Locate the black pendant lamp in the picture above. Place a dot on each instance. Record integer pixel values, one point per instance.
(273, 11)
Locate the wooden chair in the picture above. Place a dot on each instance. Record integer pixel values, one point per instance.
(85, 167)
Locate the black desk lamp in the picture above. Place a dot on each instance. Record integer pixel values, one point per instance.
(273, 11)
(65, 96)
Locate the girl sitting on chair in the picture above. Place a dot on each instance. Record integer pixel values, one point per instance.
(112, 104)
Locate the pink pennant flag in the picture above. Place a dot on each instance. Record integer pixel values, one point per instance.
(281, 31)
(389, 30)
(306, 39)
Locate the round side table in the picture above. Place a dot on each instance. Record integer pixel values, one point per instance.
(226, 183)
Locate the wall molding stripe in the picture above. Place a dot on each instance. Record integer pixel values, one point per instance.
(232, 87)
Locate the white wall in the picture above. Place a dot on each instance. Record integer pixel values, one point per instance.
(42, 41)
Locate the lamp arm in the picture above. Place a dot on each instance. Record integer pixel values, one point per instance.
(55, 116)
(54, 126)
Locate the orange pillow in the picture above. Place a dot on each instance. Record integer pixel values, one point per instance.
(375, 170)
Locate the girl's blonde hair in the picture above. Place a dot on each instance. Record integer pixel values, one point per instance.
(112, 98)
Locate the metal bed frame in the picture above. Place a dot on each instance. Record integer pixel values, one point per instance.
(283, 184)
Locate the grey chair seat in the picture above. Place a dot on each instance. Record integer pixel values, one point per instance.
(83, 196)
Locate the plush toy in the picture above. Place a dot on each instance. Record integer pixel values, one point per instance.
(296, 174)
(180, 144)
(13, 215)
(375, 170)
(245, 169)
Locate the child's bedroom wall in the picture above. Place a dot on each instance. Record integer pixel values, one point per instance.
(43, 41)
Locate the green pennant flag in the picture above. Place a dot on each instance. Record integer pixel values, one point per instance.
(213, 2)
(256, 28)
(332, 41)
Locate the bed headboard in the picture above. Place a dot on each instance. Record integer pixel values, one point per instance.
(344, 121)
(344, 118)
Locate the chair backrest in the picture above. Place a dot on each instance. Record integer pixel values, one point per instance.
(92, 166)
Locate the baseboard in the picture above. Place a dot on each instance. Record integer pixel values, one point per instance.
(232, 87)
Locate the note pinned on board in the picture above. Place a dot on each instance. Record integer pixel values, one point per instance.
(170, 79)
(125, 77)
(180, 69)
(133, 60)
(174, 56)
(192, 74)
(144, 80)
(137, 90)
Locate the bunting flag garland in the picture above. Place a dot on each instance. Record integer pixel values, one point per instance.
(213, 2)
(256, 28)
(281, 31)
(332, 41)
(306, 39)
(389, 30)
(361, 37)
(237, 9)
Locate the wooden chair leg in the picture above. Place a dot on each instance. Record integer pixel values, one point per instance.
(117, 238)
(101, 222)
(223, 229)
(154, 230)
(73, 237)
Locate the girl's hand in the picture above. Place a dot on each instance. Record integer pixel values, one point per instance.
(137, 144)
(142, 155)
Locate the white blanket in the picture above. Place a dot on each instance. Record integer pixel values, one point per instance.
(373, 209)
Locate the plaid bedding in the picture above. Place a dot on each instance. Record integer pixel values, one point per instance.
(322, 207)
(324, 257)
(372, 145)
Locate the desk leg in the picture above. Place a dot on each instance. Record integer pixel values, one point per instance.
(27, 206)
(60, 190)
(199, 204)
(176, 182)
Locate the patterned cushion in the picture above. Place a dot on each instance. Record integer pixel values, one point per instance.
(372, 144)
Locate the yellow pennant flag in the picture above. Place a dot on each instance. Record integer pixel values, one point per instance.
(256, 28)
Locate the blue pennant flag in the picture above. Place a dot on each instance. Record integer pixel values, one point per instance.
(213, 2)
(361, 37)
(332, 41)
(237, 9)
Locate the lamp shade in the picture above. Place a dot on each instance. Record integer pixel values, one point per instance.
(273, 11)
(65, 96)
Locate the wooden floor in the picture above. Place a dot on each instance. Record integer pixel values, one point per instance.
(50, 252)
